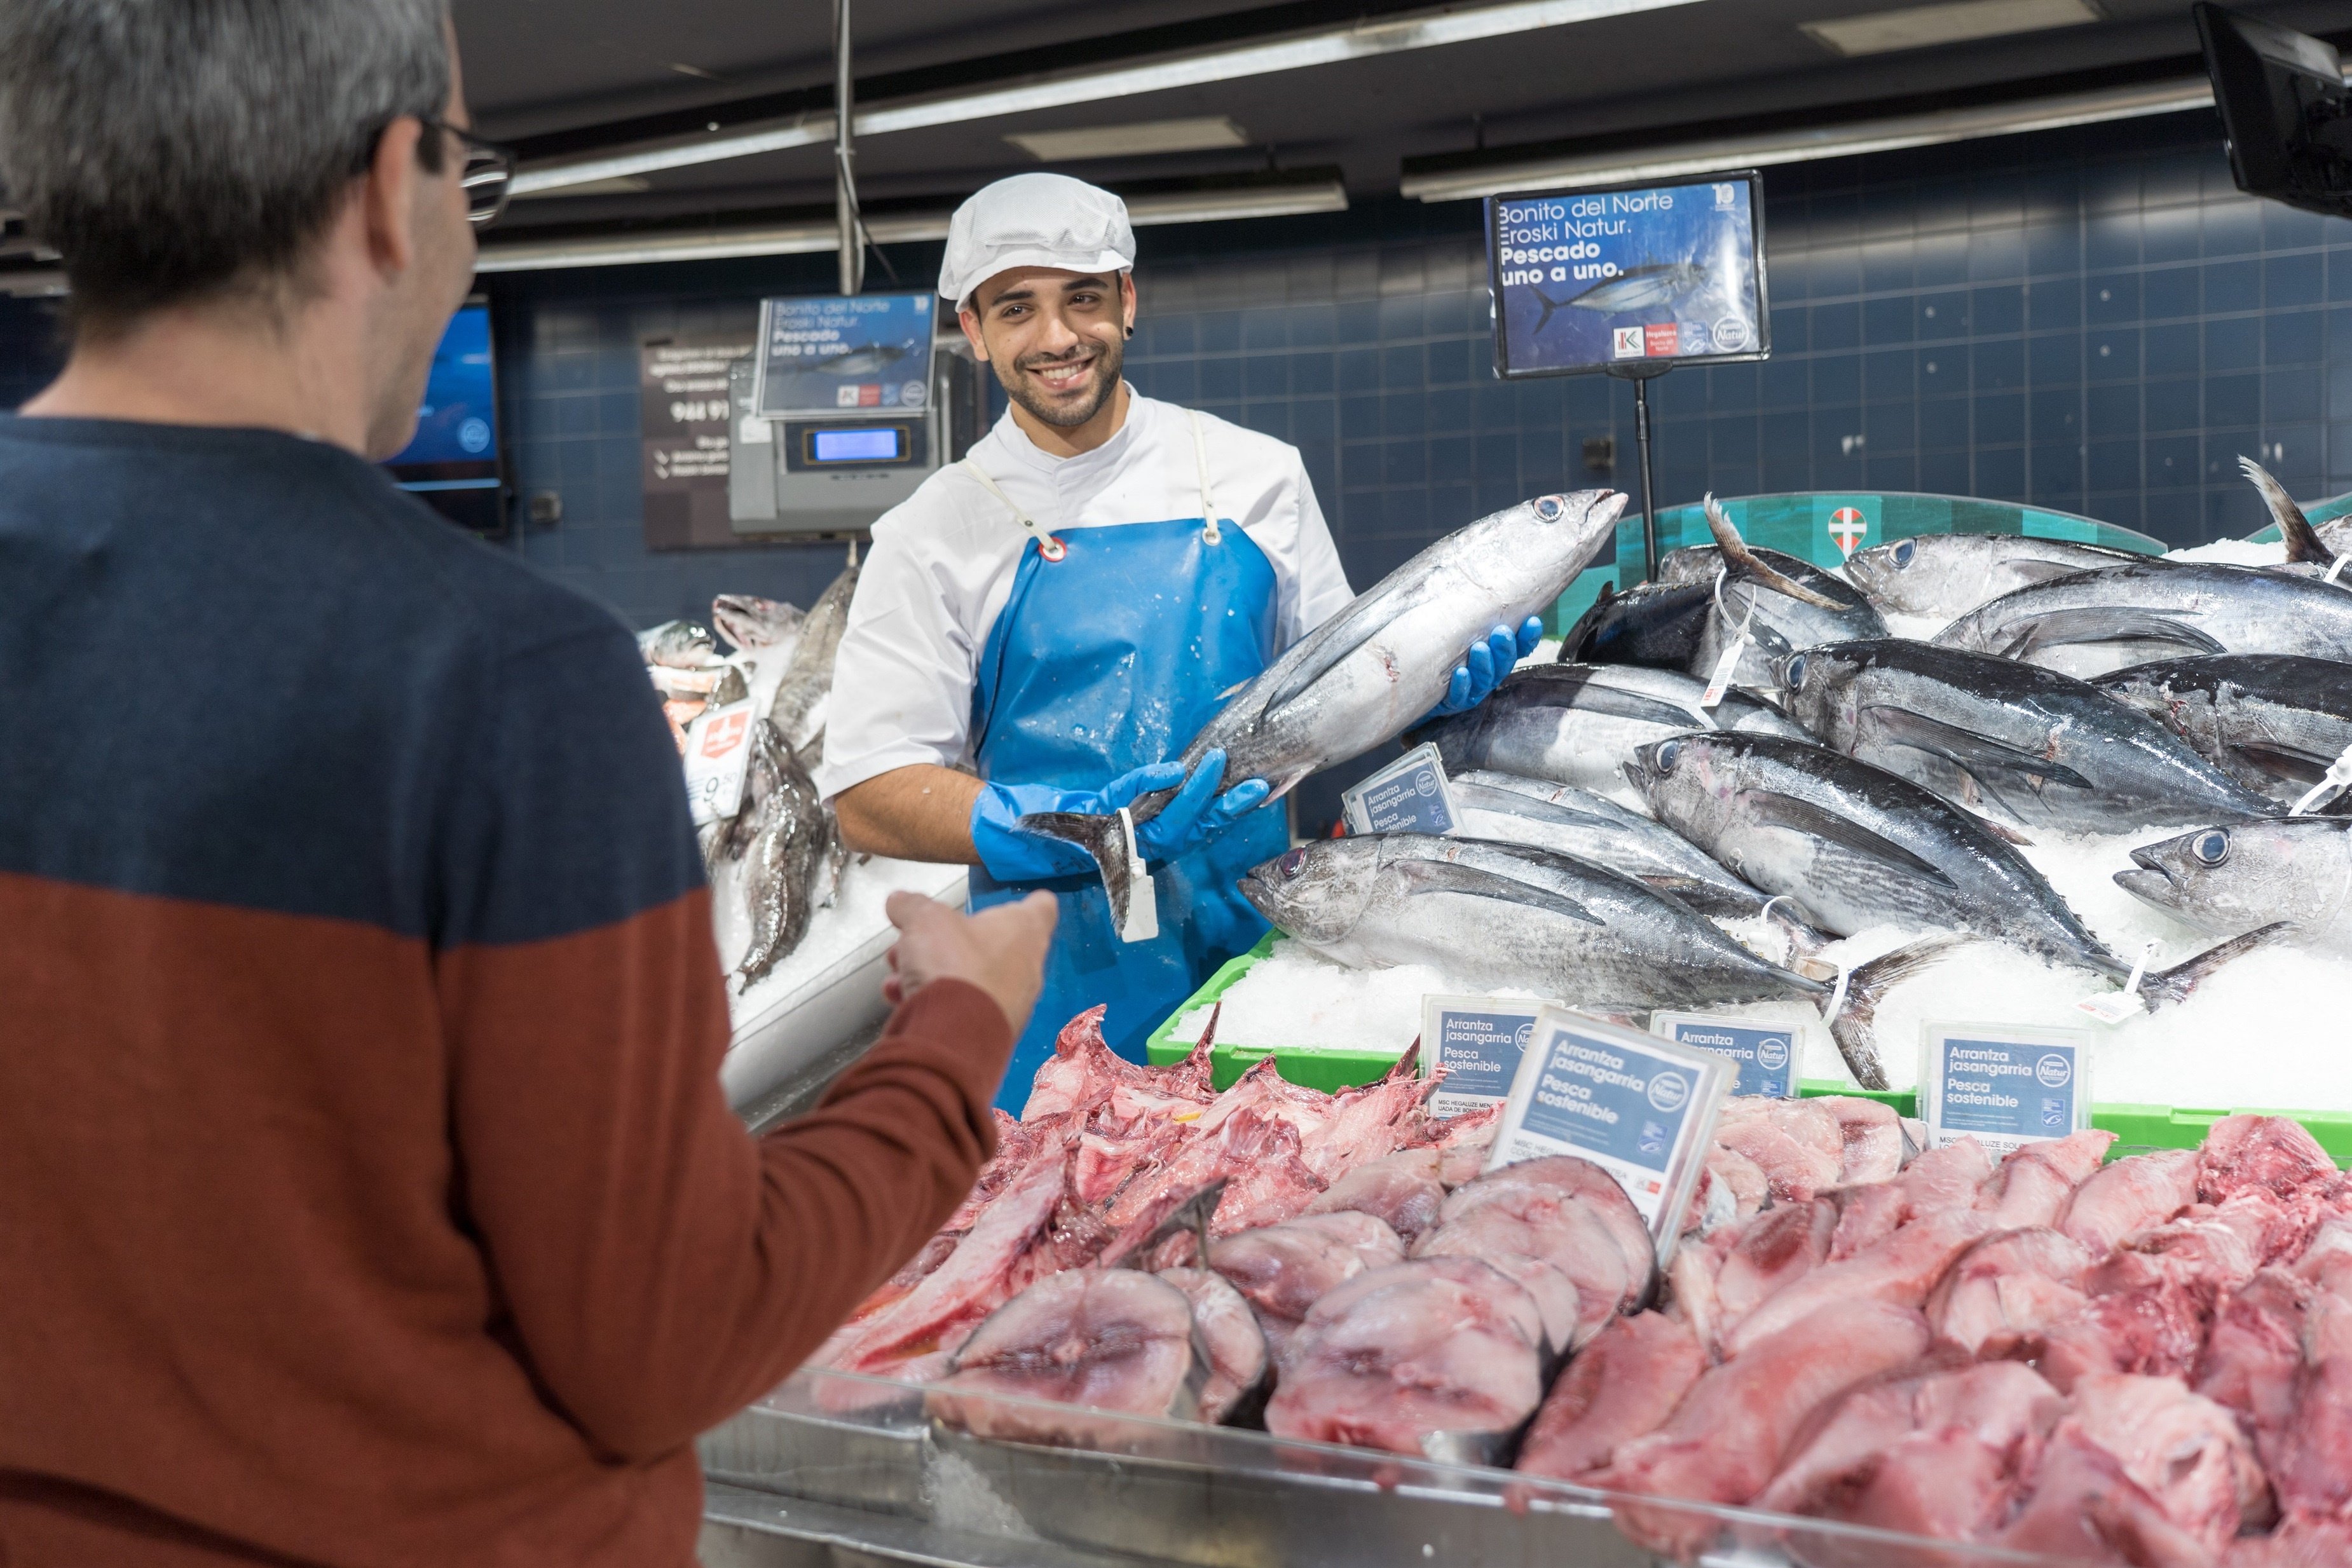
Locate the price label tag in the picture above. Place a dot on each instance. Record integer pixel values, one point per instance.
(1765, 1056)
(1479, 1041)
(1408, 795)
(2005, 1085)
(1641, 1108)
(717, 754)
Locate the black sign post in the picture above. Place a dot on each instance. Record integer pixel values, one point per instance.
(1629, 280)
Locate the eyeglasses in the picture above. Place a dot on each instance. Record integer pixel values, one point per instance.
(487, 174)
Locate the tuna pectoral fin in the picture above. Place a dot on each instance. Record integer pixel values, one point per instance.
(1099, 836)
(2302, 540)
(1989, 762)
(1445, 876)
(2289, 763)
(1855, 1024)
(1772, 809)
(2104, 623)
(2174, 985)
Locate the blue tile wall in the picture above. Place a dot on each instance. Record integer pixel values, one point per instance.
(2094, 319)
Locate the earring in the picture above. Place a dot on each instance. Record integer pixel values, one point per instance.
(1131, 331)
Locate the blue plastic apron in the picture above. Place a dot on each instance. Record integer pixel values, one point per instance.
(1109, 654)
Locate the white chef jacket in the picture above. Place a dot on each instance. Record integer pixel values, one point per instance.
(943, 562)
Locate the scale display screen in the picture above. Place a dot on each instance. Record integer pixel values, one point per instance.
(1605, 279)
(884, 443)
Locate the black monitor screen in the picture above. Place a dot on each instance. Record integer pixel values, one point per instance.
(453, 460)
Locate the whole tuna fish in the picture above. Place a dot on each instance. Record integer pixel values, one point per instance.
(1948, 575)
(791, 848)
(2096, 621)
(1856, 846)
(751, 622)
(1374, 668)
(2272, 721)
(2235, 877)
(2026, 745)
(1510, 917)
(808, 679)
(1576, 724)
(1771, 614)
(678, 645)
(1507, 809)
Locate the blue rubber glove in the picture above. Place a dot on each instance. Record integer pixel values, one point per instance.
(1483, 667)
(1196, 815)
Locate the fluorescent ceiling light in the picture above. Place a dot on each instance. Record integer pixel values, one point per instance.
(811, 237)
(1675, 160)
(618, 185)
(1920, 26)
(1058, 90)
(1130, 140)
(32, 285)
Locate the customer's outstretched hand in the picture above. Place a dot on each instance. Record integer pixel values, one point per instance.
(1001, 950)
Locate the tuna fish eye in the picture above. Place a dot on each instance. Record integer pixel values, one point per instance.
(1665, 755)
(1548, 509)
(1904, 551)
(1290, 863)
(2212, 848)
(1794, 676)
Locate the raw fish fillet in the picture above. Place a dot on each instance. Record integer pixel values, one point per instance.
(2157, 1330)
(1101, 1339)
(2131, 1194)
(2327, 1260)
(2010, 1284)
(1284, 1269)
(2254, 1349)
(1082, 1072)
(2083, 1508)
(2184, 1450)
(1402, 1189)
(1742, 1177)
(954, 1297)
(1999, 1406)
(1532, 1187)
(2310, 1453)
(1728, 1435)
(2297, 1544)
(2195, 1252)
(1900, 1270)
(1872, 1136)
(2033, 1186)
(1776, 1249)
(1559, 1251)
(1940, 1179)
(1238, 1360)
(1794, 1161)
(1622, 1387)
(2274, 1154)
(1435, 1358)
(1942, 1484)
(1691, 1299)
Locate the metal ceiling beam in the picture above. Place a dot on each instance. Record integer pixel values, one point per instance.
(1673, 159)
(1095, 84)
(717, 242)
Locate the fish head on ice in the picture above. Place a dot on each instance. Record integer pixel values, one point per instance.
(1677, 776)
(2232, 877)
(1816, 685)
(1316, 891)
(1907, 576)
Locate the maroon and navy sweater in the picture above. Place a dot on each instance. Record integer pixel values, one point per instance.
(367, 1196)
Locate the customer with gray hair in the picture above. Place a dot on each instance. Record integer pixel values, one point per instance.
(367, 1196)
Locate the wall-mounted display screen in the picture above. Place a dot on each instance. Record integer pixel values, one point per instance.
(886, 445)
(452, 462)
(1585, 281)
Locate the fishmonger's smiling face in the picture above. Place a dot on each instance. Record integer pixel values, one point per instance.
(1055, 338)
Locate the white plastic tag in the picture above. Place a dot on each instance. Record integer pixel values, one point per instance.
(2334, 567)
(1642, 1109)
(2331, 783)
(2005, 1085)
(717, 754)
(2112, 1008)
(1408, 795)
(1720, 682)
(1142, 898)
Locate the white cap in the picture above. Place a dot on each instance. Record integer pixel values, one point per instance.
(1034, 220)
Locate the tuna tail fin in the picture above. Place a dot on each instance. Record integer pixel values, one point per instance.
(2303, 541)
(1734, 550)
(1550, 305)
(1853, 1024)
(1102, 838)
(2166, 987)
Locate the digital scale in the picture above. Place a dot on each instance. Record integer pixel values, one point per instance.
(847, 405)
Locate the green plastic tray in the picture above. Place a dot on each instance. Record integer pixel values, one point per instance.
(2135, 1126)
(1799, 524)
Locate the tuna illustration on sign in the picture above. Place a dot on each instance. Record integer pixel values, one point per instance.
(1635, 288)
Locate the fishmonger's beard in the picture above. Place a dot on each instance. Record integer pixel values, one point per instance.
(1022, 384)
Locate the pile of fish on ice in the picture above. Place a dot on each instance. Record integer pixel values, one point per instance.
(1623, 835)
(2146, 1363)
(776, 848)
